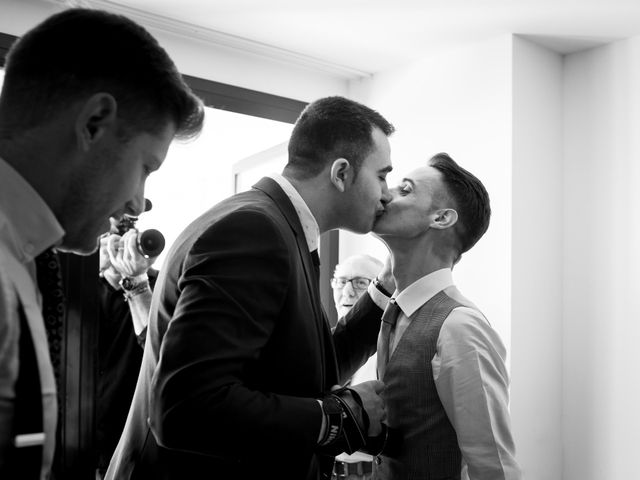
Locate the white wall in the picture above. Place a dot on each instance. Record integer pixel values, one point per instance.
(18, 16)
(537, 252)
(203, 59)
(459, 103)
(555, 140)
(602, 302)
(234, 67)
(496, 107)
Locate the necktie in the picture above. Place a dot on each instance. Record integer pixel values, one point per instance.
(53, 308)
(389, 319)
(316, 262)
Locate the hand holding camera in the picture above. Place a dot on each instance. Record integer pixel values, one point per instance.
(127, 253)
(124, 255)
(149, 243)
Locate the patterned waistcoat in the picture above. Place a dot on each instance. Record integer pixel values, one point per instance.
(429, 444)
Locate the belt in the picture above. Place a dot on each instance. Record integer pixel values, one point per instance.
(344, 469)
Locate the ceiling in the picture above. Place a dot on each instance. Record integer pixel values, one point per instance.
(372, 35)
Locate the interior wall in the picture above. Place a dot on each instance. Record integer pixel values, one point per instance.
(537, 252)
(460, 103)
(235, 67)
(601, 259)
(203, 59)
(18, 16)
(496, 107)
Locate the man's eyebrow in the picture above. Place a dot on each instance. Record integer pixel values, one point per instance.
(386, 169)
(408, 180)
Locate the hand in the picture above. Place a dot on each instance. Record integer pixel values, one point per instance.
(106, 270)
(124, 255)
(385, 277)
(373, 404)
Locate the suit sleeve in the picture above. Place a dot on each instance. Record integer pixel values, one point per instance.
(232, 289)
(355, 336)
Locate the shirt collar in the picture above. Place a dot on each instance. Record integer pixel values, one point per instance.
(27, 224)
(308, 221)
(422, 290)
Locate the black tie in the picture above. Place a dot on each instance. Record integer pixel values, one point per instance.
(316, 262)
(389, 319)
(53, 307)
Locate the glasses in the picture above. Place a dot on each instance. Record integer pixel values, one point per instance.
(358, 283)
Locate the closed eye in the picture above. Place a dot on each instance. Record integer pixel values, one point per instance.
(406, 188)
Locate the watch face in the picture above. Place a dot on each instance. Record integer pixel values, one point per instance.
(127, 283)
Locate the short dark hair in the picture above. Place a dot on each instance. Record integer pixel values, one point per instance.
(330, 128)
(78, 52)
(471, 201)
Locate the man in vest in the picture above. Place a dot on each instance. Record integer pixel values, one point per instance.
(441, 361)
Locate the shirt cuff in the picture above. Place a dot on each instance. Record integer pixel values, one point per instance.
(379, 298)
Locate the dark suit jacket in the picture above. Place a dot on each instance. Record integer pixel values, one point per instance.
(244, 350)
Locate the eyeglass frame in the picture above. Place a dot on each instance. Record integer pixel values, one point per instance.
(344, 280)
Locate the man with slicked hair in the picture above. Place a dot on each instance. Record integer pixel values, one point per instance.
(443, 365)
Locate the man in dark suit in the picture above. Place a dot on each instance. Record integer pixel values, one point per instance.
(240, 361)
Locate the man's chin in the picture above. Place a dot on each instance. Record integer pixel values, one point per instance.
(378, 228)
(378, 223)
(78, 251)
(79, 248)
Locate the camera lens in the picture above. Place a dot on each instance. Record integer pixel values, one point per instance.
(150, 242)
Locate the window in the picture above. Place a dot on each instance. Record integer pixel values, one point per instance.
(198, 174)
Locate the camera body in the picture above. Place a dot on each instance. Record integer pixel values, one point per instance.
(149, 243)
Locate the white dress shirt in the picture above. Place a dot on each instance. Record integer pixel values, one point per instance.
(471, 379)
(307, 220)
(27, 228)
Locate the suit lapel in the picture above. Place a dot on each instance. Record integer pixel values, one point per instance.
(271, 188)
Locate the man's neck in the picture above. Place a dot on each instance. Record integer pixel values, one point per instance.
(413, 260)
(316, 199)
(27, 154)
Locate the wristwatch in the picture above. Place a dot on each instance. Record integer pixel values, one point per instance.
(132, 286)
(333, 412)
(129, 283)
(381, 289)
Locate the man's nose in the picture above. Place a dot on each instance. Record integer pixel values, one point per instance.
(348, 289)
(386, 196)
(138, 205)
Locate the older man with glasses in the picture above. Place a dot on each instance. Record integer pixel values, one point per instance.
(350, 280)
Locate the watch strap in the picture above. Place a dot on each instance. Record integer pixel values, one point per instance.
(381, 289)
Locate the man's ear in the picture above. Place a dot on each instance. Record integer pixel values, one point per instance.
(340, 172)
(444, 218)
(98, 113)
